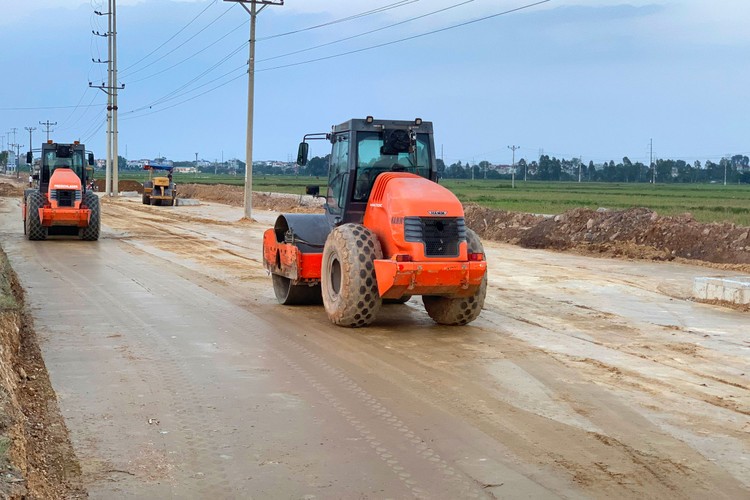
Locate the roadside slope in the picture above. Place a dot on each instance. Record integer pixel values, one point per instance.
(35, 454)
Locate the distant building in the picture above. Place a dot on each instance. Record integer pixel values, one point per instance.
(503, 169)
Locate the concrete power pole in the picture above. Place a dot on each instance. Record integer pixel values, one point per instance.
(111, 181)
(48, 127)
(513, 169)
(18, 158)
(253, 11)
(31, 142)
(115, 132)
(651, 161)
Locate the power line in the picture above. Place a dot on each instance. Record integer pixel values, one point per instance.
(96, 131)
(244, 23)
(171, 96)
(378, 10)
(367, 32)
(35, 108)
(183, 43)
(336, 21)
(90, 106)
(243, 67)
(171, 38)
(393, 42)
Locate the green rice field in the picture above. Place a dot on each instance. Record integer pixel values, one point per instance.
(707, 202)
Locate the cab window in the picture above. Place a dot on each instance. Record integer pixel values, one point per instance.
(338, 173)
(371, 163)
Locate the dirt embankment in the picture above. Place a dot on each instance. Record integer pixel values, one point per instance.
(234, 195)
(123, 186)
(8, 189)
(36, 457)
(633, 233)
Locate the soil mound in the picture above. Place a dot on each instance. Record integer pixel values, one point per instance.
(234, 195)
(10, 189)
(635, 233)
(126, 185)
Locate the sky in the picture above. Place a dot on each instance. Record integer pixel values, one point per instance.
(592, 79)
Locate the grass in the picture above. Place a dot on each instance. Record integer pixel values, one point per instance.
(707, 202)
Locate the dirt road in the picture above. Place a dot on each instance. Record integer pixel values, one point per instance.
(179, 375)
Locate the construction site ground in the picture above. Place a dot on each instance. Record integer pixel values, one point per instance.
(176, 372)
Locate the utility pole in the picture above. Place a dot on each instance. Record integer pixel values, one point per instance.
(111, 182)
(651, 161)
(580, 165)
(48, 127)
(18, 157)
(115, 132)
(253, 11)
(31, 141)
(196, 162)
(726, 162)
(513, 169)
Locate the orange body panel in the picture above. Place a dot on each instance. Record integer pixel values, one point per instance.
(286, 260)
(397, 195)
(65, 179)
(64, 216)
(454, 279)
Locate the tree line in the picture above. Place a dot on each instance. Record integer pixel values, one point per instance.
(736, 169)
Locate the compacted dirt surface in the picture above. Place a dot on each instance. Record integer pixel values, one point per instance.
(177, 373)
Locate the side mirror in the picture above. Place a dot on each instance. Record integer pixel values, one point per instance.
(91, 159)
(29, 158)
(313, 191)
(302, 153)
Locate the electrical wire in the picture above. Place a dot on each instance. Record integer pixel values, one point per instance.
(400, 40)
(244, 23)
(34, 108)
(172, 37)
(85, 112)
(336, 21)
(201, 75)
(177, 96)
(172, 96)
(189, 99)
(378, 10)
(367, 32)
(92, 134)
(169, 97)
(183, 43)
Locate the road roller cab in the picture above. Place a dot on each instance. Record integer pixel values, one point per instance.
(61, 204)
(389, 231)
